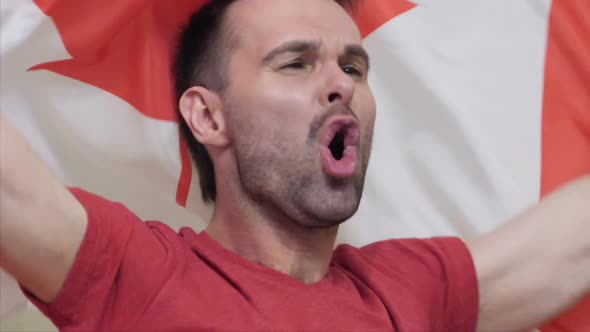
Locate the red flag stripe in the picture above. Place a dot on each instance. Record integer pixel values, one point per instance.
(566, 117)
(566, 101)
(370, 15)
(186, 173)
(125, 48)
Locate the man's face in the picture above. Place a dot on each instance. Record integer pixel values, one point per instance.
(300, 112)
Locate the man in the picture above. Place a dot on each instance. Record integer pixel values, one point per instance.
(279, 117)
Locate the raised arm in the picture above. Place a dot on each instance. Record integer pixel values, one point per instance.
(538, 265)
(42, 222)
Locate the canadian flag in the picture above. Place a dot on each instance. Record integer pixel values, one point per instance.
(483, 108)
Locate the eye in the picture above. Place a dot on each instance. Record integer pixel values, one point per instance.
(296, 65)
(352, 70)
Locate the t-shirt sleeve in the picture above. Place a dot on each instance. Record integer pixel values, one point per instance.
(120, 267)
(427, 284)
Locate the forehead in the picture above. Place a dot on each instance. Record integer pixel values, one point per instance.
(267, 23)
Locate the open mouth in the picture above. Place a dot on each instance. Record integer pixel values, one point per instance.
(340, 141)
(337, 145)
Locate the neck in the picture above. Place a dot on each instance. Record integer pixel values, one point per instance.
(275, 242)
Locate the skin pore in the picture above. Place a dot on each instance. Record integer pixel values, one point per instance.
(297, 68)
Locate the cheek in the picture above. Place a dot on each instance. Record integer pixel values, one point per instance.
(279, 108)
(364, 104)
(269, 122)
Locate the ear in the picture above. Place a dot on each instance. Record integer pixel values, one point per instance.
(201, 108)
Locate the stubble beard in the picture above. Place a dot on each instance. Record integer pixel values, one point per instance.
(287, 183)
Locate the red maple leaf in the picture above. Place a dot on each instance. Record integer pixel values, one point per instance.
(125, 47)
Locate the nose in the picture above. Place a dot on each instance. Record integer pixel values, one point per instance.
(338, 88)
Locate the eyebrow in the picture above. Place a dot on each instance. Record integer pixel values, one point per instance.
(294, 46)
(353, 50)
(302, 46)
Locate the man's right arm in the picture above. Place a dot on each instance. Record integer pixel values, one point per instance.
(42, 223)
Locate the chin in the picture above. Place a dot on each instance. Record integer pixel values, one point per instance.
(331, 203)
(331, 212)
(334, 219)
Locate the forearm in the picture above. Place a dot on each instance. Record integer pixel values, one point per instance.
(41, 222)
(538, 265)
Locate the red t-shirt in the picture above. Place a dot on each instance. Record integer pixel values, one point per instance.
(143, 276)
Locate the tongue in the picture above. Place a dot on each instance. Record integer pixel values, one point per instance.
(345, 167)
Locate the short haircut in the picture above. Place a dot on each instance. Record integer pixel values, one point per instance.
(201, 60)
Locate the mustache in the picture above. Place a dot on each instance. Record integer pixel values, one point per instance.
(320, 119)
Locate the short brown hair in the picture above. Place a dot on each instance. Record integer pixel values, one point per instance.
(199, 61)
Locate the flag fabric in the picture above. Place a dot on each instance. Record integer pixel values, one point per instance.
(483, 108)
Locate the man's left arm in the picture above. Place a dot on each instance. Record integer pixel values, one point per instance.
(537, 265)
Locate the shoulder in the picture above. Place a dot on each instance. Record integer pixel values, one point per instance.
(122, 264)
(432, 280)
(107, 213)
(425, 261)
(433, 251)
